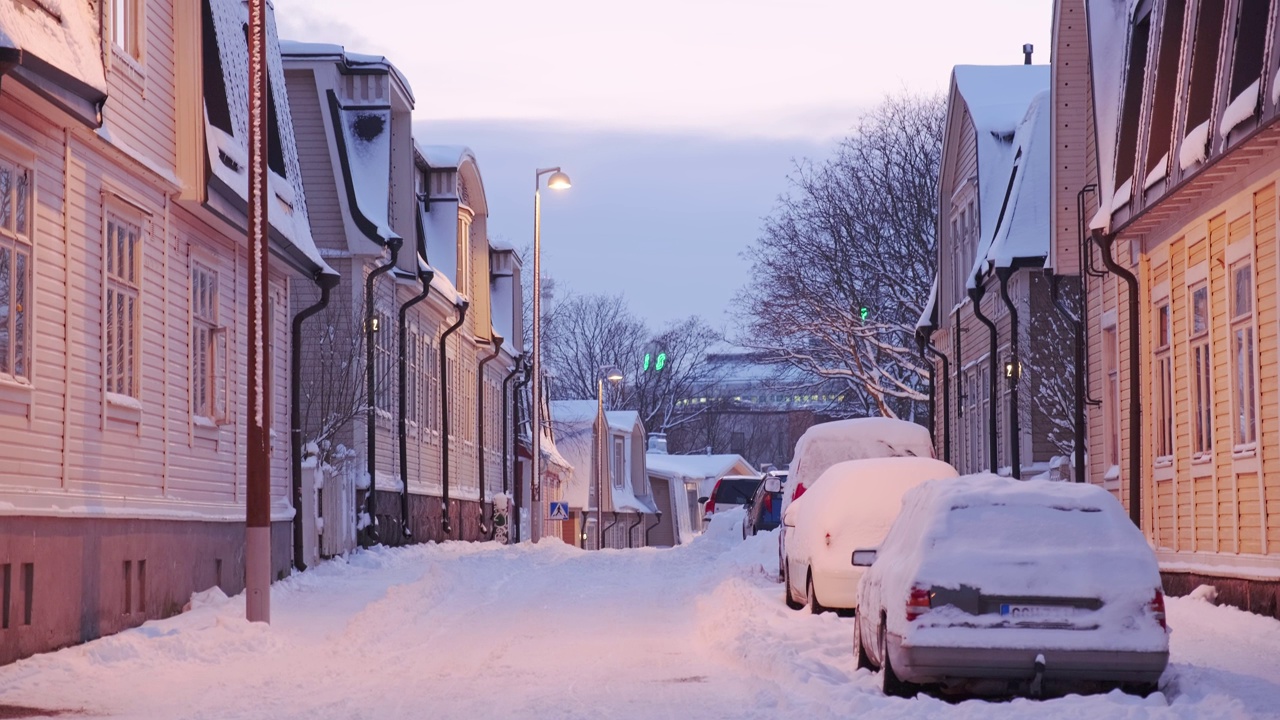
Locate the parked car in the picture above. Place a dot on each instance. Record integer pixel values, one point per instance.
(991, 585)
(826, 444)
(731, 491)
(764, 512)
(851, 506)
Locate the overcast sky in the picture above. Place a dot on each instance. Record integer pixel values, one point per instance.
(678, 120)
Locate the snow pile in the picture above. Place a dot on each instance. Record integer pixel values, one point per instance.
(62, 34)
(1243, 107)
(1023, 232)
(1205, 593)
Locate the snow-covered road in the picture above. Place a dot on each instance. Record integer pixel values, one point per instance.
(483, 631)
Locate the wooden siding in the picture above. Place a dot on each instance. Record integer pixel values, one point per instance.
(1070, 131)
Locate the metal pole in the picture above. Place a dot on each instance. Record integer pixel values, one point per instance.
(535, 412)
(600, 466)
(257, 565)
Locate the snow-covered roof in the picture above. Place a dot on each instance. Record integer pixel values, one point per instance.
(338, 53)
(62, 35)
(927, 320)
(364, 143)
(574, 424)
(443, 157)
(501, 244)
(1108, 22)
(1024, 229)
(698, 467)
(573, 413)
(228, 151)
(997, 97)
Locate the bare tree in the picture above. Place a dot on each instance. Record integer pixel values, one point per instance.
(582, 335)
(1047, 364)
(657, 392)
(855, 231)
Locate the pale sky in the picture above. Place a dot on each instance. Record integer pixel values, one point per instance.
(678, 120)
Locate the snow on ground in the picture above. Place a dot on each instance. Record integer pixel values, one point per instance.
(484, 631)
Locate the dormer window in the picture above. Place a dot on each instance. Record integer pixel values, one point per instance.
(1204, 64)
(126, 27)
(1166, 90)
(1127, 149)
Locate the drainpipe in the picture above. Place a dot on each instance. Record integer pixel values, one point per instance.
(605, 530)
(933, 400)
(946, 396)
(425, 275)
(1077, 326)
(1014, 375)
(1104, 243)
(1087, 270)
(649, 528)
(582, 536)
(975, 296)
(518, 486)
(507, 412)
(497, 347)
(371, 416)
(631, 529)
(327, 283)
(446, 527)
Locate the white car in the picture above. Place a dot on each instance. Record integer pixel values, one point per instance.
(851, 506)
(826, 444)
(990, 585)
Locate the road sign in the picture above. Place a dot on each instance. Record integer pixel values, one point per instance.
(558, 511)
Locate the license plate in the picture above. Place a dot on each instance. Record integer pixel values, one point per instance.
(1036, 612)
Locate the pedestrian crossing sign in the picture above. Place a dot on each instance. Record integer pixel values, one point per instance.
(559, 511)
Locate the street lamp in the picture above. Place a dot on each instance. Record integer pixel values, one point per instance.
(557, 181)
(613, 375)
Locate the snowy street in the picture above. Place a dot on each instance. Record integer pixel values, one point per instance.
(548, 631)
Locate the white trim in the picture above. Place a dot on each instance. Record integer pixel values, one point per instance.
(1238, 250)
(1160, 292)
(1108, 319)
(1197, 274)
(1250, 567)
(30, 502)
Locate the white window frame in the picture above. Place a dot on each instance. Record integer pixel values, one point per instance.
(122, 270)
(618, 460)
(209, 405)
(1162, 381)
(1200, 366)
(17, 259)
(1111, 433)
(464, 251)
(384, 362)
(1244, 360)
(126, 31)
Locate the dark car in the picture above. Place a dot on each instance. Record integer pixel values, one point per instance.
(764, 512)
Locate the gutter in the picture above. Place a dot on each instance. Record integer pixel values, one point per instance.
(1014, 375)
(975, 296)
(506, 425)
(497, 348)
(632, 527)
(582, 536)
(371, 414)
(327, 283)
(425, 276)
(926, 346)
(933, 400)
(649, 528)
(444, 414)
(1104, 243)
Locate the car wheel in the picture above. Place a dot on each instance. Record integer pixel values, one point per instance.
(786, 588)
(859, 652)
(893, 686)
(815, 607)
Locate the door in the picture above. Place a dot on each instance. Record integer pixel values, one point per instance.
(664, 534)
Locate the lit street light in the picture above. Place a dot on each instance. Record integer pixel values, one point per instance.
(557, 181)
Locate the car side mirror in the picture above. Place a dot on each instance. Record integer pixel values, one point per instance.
(864, 557)
(703, 500)
(773, 484)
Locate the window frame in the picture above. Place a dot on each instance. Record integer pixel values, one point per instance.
(216, 347)
(1200, 366)
(130, 286)
(1243, 323)
(126, 33)
(20, 243)
(618, 460)
(1162, 380)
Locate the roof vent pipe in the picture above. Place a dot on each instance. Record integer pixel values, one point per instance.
(1027, 49)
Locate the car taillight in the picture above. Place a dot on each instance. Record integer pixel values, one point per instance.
(798, 492)
(711, 506)
(918, 602)
(768, 503)
(828, 539)
(1157, 608)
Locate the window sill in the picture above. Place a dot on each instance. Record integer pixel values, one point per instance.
(1244, 452)
(124, 408)
(15, 391)
(128, 67)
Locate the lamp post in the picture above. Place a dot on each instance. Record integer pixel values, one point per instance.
(557, 181)
(613, 375)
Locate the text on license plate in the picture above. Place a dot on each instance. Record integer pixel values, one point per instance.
(1036, 612)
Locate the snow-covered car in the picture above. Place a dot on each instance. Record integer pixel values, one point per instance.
(764, 512)
(851, 506)
(826, 444)
(990, 585)
(731, 491)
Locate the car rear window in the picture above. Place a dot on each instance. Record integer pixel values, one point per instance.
(736, 491)
(1025, 527)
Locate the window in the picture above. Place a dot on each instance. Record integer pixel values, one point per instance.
(619, 461)
(1111, 401)
(208, 347)
(1166, 85)
(1164, 384)
(1202, 374)
(384, 361)
(464, 252)
(126, 27)
(1204, 62)
(1135, 73)
(123, 249)
(432, 391)
(413, 368)
(1251, 41)
(15, 271)
(1243, 357)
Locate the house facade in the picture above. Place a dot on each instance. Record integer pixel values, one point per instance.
(1181, 279)
(997, 397)
(428, 310)
(677, 482)
(123, 319)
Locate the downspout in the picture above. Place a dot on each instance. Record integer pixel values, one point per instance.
(327, 283)
(518, 486)
(497, 348)
(446, 528)
(424, 275)
(631, 529)
(1077, 419)
(1135, 401)
(507, 412)
(582, 535)
(933, 400)
(371, 415)
(1087, 270)
(975, 296)
(1014, 375)
(649, 528)
(605, 530)
(946, 397)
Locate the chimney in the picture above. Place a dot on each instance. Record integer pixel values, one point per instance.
(1027, 49)
(658, 443)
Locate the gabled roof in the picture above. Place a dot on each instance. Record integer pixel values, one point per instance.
(1023, 230)
(574, 424)
(929, 316)
(697, 467)
(228, 147)
(57, 46)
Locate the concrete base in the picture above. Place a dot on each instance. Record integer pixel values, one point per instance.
(1256, 596)
(65, 581)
